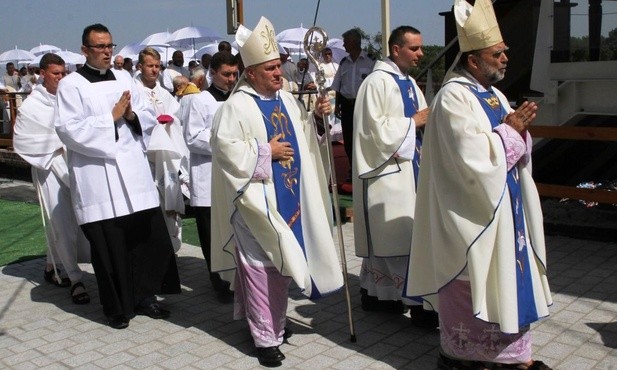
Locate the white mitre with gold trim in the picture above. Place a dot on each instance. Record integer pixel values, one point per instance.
(476, 25)
(258, 46)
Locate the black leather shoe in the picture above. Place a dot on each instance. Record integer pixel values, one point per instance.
(373, 304)
(152, 310)
(422, 318)
(119, 322)
(270, 356)
(288, 333)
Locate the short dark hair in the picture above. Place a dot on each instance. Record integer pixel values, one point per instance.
(10, 64)
(353, 34)
(396, 37)
(50, 58)
(224, 46)
(223, 57)
(97, 27)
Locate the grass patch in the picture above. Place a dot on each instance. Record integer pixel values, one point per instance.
(23, 236)
(189, 231)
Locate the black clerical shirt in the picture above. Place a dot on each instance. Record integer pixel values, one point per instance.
(217, 93)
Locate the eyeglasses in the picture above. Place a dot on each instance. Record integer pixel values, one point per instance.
(102, 47)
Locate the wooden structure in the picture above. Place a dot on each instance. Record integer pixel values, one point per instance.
(576, 133)
(8, 113)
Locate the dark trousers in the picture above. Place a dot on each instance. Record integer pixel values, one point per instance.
(203, 215)
(133, 259)
(347, 107)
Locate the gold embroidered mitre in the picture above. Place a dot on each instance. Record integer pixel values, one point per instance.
(258, 46)
(476, 25)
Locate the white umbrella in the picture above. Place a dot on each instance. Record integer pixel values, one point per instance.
(189, 36)
(72, 58)
(159, 42)
(130, 50)
(69, 58)
(338, 51)
(211, 49)
(43, 49)
(335, 43)
(295, 36)
(189, 54)
(157, 39)
(293, 40)
(16, 55)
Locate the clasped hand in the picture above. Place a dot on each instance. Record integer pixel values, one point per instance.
(522, 117)
(123, 108)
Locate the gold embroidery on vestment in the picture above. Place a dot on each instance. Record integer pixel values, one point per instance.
(270, 45)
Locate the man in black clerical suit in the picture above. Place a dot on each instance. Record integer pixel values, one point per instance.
(105, 125)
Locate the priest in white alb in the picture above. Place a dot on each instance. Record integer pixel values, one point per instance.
(36, 141)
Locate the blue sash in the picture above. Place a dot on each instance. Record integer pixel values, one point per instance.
(527, 312)
(286, 174)
(410, 102)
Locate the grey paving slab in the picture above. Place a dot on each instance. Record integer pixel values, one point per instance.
(41, 329)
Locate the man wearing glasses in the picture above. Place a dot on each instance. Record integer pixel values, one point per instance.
(106, 126)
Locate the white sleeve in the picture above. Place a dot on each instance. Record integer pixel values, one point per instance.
(90, 135)
(407, 149)
(167, 81)
(198, 125)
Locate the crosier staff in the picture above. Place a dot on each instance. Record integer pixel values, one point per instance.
(311, 51)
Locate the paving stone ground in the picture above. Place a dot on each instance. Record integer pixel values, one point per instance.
(40, 328)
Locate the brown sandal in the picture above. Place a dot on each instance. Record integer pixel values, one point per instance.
(79, 294)
(53, 278)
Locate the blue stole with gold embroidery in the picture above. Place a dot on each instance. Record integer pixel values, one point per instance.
(410, 103)
(527, 312)
(286, 174)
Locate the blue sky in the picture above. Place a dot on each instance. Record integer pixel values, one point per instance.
(28, 23)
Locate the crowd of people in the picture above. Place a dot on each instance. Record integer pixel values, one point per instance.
(447, 217)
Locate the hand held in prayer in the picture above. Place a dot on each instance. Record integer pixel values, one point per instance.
(421, 117)
(120, 108)
(522, 116)
(281, 150)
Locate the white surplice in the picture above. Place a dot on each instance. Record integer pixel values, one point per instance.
(169, 157)
(109, 176)
(197, 114)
